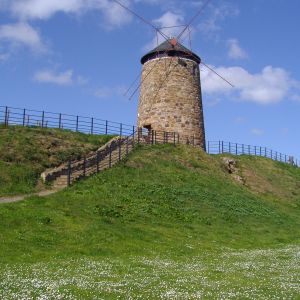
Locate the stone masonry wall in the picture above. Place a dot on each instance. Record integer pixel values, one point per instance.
(170, 98)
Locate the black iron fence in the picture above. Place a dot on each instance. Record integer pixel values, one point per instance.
(107, 156)
(220, 147)
(98, 161)
(90, 125)
(44, 119)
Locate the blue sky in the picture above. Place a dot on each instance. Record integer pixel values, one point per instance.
(79, 56)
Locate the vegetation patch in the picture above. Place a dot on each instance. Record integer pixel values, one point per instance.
(26, 152)
(170, 222)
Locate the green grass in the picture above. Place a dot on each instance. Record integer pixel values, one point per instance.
(167, 220)
(26, 152)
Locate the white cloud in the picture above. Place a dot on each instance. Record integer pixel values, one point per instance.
(37, 9)
(235, 51)
(168, 19)
(114, 15)
(48, 76)
(212, 102)
(105, 92)
(240, 120)
(211, 25)
(271, 85)
(22, 34)
(257, 131)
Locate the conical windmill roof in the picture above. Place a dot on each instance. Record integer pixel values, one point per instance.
(171, 48)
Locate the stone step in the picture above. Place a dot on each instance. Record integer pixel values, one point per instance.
(106, 161)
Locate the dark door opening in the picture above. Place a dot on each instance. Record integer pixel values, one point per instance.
(148, 127)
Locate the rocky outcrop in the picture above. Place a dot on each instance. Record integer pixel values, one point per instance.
(231, 166)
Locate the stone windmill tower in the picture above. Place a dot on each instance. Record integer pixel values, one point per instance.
(170, 96)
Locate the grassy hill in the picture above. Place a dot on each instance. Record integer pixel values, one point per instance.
(168, 223)
(26, 152)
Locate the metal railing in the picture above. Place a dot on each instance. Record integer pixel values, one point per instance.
(100, 160)
(221, 147)
(27, 117)
(90, 125)
(116, 150)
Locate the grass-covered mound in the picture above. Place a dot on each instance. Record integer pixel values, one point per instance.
(161, 199)
(26, 152)
(169, 223)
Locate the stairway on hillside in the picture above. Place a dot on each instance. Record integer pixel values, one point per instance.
(105, 157)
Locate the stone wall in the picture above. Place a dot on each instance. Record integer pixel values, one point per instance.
(170, 98)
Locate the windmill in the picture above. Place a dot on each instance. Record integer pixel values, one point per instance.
(170, 87)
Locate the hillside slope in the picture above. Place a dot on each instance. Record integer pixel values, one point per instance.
(163, 194)
(26, 152)
(168, 223)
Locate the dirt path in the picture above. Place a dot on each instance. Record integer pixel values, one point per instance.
(23, 197)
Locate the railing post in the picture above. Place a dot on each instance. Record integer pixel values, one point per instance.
(276, 155)
(219, 147)
(139, 130)
(6, 116)
(121, 129)
(265, 151)
(109, 156)
(69, 172)
(243, 149)
(260, 151)
(84, 166)
(133, 137)
(43, 118)
(119, 149)
(133, 130)
(230, 147)
(24, 116)
(152, 137)
(174, 138)
(92, 126)
(77, 121)
(236, 149)
(222, 147)
(208, 147)
(59, 121)
(249, 151)
(106, 127)
(155, 137)
(271, 154)
(255, 150)
(97, 161)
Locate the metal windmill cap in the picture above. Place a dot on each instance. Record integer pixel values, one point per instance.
(171, 48)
